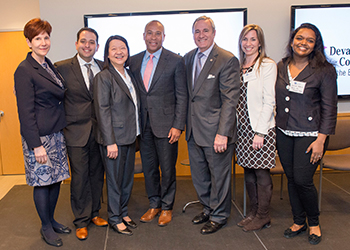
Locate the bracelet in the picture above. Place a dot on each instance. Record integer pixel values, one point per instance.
(259, 134)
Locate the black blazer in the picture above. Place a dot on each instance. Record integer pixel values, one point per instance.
(39, 101)
(166, 100)
(78, 102)
(115, 109)
(316, 108)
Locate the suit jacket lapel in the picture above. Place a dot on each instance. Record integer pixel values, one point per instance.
(79, 75)
(138, 76)
(43, 71)
(305, 73)
(119, 80)
(133, 81)
(99, 63)
(190, 73)
(163, 59)
(206, 68)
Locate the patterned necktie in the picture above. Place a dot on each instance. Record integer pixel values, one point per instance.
(52, 74)
(90, 75)
(148, 72)
(198, 67)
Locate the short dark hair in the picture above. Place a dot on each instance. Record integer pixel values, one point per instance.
(318, 51)
(89, 30)
(35, 26)
(105, 56)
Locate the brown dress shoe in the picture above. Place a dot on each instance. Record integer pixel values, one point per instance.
(150, 214)
(81, 233)
(98, 221)
(165, 217)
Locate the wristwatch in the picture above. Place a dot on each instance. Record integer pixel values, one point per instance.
(259, 134)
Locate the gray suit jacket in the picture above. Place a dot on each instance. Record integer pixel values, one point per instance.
(166, 99)
(79, 104)
(115, 109)
(212, 103)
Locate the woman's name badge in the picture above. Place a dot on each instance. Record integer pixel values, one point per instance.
(249, 76)
(297, 87)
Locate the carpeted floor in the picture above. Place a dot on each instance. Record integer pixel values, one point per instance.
(19, 227)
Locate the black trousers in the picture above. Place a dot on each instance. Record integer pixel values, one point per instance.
(87, 174)
(300, 172)
(157, 152)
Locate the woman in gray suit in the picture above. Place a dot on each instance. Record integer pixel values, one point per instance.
(40, 92)
(116, 104)
(306, 101)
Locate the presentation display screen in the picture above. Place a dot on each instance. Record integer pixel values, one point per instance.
(332, 21)
(177, 24)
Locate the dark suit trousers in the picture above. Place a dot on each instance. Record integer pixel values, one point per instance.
(87, 181)
(157, 152)
(120, 179)
(211, 177)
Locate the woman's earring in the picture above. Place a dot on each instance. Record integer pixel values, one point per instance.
(259, 49)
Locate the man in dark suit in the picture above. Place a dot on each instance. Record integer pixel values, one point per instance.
(161, 79)
(213, 85)
(83, 151)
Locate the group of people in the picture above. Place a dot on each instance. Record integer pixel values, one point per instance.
(98, 111)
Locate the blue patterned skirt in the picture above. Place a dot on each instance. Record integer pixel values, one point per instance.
(55, 169)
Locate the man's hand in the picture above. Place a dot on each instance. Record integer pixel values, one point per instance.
(112, 151)
(220, 143)
(174, 135)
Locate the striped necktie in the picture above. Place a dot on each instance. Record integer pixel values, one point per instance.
(91, 78)
(198, 68)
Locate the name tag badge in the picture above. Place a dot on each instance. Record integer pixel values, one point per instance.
(249, 76)
(297, 87)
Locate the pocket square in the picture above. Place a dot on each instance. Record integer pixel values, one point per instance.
(210, 76)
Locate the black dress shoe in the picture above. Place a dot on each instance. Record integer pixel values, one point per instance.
(56, 242)
(288, 233)
(131, 223)
(200, 218)
(126, 231)
(314, 239)
(211, 227)
(62, 230)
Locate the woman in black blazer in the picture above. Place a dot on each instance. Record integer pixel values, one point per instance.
(117, 112)
(40, 92)
(306, 99)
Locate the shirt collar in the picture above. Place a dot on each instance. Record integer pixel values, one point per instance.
(82, 62)
(207, 52)
(156, 54)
